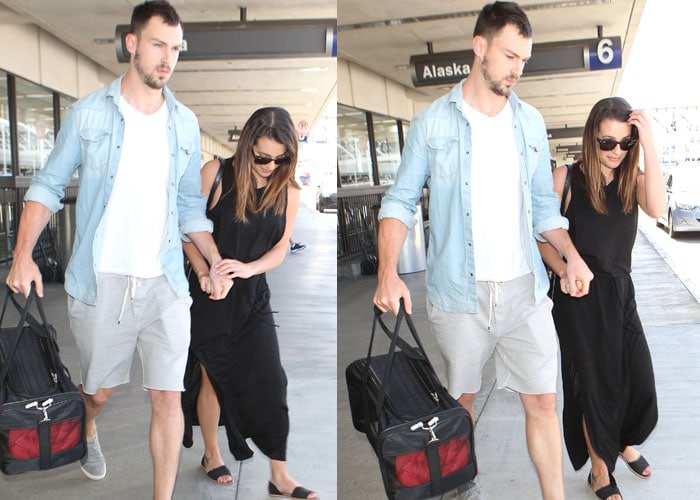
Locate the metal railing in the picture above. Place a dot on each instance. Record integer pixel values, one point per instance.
(47, 252)
(357, 221)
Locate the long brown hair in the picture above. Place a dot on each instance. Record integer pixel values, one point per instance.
(276, 124)
(591, 177)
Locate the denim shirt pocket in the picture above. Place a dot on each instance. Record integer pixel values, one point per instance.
(443, 156)
(95, 148)
(184, 156)
(533, 149)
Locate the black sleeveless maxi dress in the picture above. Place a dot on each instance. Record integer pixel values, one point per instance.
(607, 372)
(236, 339)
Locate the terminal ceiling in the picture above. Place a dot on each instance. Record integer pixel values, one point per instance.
(222, 93)
(381, 36)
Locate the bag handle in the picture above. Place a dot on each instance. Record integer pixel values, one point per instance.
(396, 340)
(217, 180)
(567, 185)
(24, 314)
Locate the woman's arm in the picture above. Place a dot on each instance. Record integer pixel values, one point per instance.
(651, 193)
(233, 268)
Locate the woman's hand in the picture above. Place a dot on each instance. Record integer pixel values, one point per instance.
(232, 268)
(639, 119)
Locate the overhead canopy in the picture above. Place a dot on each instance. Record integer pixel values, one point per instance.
(383, 37)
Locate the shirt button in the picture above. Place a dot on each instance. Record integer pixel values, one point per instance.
(466, 183)
(467, 214)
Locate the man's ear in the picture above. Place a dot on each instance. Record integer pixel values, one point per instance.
(480, 46)
(131, 42)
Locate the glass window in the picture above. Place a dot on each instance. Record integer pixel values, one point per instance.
(35, 126)
(386, 141)
(66, 102)
(354, 159)
(5, 158)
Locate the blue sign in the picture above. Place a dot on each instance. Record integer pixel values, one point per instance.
(605, 53)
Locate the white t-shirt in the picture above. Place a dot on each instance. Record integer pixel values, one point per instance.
(497, 197)
(134, 224)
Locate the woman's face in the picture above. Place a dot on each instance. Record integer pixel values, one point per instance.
(617, 131)
(267, 149)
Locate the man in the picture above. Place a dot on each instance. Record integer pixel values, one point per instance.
(137, 152)
(485, 155)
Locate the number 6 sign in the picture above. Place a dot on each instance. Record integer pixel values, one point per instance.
(605, 53)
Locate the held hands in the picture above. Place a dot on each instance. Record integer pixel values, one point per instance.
(390, 290)
(576, 281)
(215, 285)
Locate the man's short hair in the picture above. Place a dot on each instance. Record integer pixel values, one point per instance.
(495, 16)
(144, 12)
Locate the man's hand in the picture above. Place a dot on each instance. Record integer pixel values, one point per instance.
(220, 285)
(22, 274)
(390, 290)
(577, 280)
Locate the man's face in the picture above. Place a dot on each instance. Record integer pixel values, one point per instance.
(156, 50)
(504, 59)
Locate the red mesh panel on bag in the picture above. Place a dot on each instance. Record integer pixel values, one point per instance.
(24, 443)
(413, 470)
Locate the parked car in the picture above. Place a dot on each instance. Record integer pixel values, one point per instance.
(682, 201)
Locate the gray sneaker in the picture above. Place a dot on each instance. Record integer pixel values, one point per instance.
(471, 491)
(93, 464)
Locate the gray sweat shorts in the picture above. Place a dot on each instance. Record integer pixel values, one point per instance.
(508, 324)
(132, 313)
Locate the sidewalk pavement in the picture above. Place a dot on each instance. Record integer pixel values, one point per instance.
(304, 294)
(671, 318)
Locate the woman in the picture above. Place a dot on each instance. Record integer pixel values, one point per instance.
(234, 340)
(608, 379)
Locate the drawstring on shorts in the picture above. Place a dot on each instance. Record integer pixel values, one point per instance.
(129, 292)
(494, 287)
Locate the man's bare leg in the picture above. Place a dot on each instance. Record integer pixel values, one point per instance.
(544, 442)
(167, 427)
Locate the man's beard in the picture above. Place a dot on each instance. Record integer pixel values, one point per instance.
(149, 80)
(495, 85)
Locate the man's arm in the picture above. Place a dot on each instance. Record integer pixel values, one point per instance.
(390, 288)
(205, 244)
(24, 270)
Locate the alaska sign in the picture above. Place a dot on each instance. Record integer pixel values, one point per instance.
(547, 59)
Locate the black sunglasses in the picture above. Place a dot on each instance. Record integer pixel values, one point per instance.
(264, 160)
(609, 144)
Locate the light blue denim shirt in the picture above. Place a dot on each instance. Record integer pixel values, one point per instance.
(438, 150)
(90, 142)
